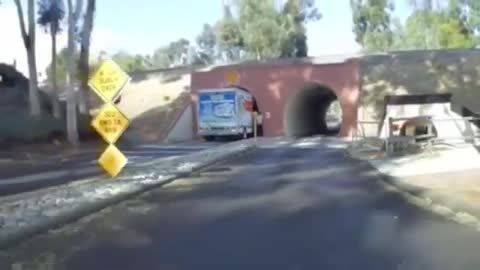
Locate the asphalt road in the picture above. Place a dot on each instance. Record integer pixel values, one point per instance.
(60, 170)
(277, 208)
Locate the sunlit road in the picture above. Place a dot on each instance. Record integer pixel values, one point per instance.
(277, 208)
(59, 170)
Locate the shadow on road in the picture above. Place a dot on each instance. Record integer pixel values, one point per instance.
(273, 209)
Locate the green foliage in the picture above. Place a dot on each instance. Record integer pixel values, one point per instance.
(263, 28)
(171, 54)
(128, 62)
(296, 14)
(177, 50)
(468, 12)
(230, 40)
(21, 127)
(50, 14)
(372, 23)
(434, 29)
(207, 42)
(431, 25)
(61, 70)
(160, 58)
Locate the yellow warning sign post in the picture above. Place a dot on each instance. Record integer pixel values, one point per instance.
(107, 81)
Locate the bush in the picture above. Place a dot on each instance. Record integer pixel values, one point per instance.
(24, 128)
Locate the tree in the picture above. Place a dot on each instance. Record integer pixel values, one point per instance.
(441, 32)
(128, 62)
(74, 10)
(264, 30)
(29, 43)
(430, 26)
(468, 12)
(178, 51)
(230, 39)
(60, 72)
(372, 24)
(160, 58)
(298, 13)
(83, 63)
(51, 14)
(207, 41)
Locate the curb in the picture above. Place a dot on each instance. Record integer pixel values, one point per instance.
(458, 213)
(81, 211)
(413, 194)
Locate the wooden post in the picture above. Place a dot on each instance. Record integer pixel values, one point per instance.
(255, 114)
(389, 136)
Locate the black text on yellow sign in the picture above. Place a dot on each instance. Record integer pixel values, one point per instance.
(110, 123)
(108, 80)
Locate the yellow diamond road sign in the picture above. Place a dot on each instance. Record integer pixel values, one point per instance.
(112, 160)
(110, 123)
(108, 80)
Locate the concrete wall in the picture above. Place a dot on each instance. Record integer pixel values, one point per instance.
(152, 91)
(153, 100)
(420, 72)
(183, 128)
(273, 82)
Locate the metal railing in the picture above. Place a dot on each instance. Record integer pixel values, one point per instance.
(363, 136)
(360, 137)
(431, 139)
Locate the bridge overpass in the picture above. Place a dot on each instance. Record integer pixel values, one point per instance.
(292, 94)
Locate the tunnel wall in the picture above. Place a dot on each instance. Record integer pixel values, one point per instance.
(272, 84)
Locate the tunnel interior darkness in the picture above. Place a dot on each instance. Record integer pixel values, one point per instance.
(306, 112)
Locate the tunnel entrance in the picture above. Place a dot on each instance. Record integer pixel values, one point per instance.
(312, 110)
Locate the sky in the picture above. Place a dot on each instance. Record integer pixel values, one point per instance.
(141, 26)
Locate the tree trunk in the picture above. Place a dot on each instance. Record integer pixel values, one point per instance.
(54, 94)
(35, 107)
(33, 96)
(83, 65)
(72, 127)
(29, 43)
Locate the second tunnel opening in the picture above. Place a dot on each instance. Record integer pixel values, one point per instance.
(312, 110)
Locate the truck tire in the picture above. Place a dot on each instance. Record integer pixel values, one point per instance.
(209, 138)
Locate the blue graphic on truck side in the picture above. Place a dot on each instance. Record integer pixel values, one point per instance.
(217, 109)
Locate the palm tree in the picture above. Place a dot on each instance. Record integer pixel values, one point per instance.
(51, 13)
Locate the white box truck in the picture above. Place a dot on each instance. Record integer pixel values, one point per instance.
(224, 112)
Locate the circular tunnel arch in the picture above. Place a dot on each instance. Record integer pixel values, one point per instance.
(307, 111)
